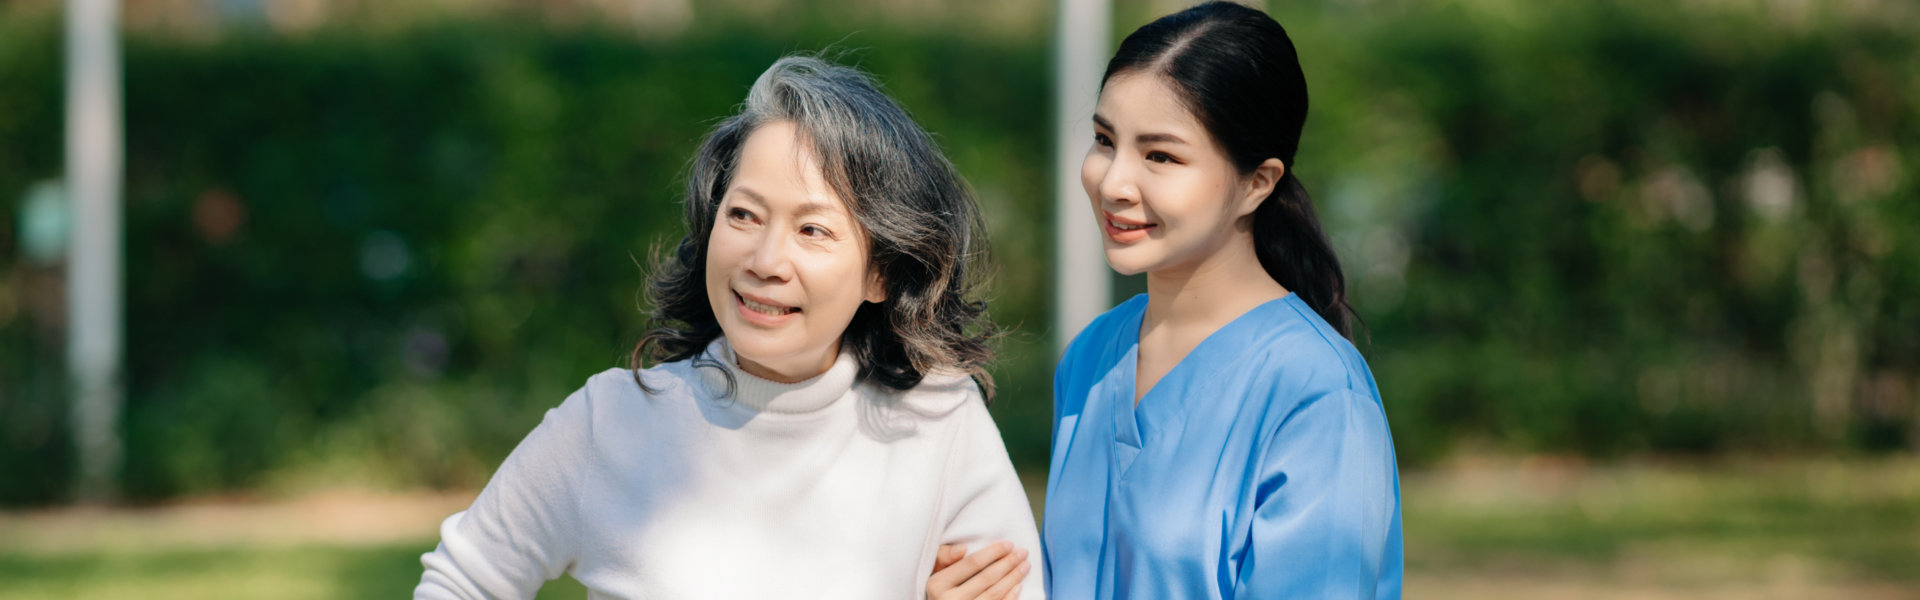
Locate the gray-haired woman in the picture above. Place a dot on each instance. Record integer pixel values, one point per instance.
(813, 422)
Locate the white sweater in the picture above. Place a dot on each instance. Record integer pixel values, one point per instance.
(825, 488)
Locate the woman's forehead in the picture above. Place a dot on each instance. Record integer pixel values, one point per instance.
(777, 168)
(1145, 102)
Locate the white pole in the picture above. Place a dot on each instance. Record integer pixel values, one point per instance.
(94, 269)
(1082, 285)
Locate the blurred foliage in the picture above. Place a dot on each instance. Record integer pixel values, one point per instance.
(377, 255)
(1627, 227)
(363, 254)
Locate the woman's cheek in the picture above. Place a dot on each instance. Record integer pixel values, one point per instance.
(1092, 169)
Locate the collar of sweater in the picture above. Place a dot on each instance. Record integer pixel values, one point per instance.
(768, 396)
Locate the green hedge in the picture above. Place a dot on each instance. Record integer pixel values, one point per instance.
(442, 235)
(1634, 228)
(379, 256)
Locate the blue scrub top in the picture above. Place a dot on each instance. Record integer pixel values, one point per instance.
(1259, 467)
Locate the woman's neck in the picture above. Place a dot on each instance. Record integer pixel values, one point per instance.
(1212, 292)
(755, 392)
(792, 371)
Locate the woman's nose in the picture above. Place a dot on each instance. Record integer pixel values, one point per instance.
(769, 259)
(1117, 184)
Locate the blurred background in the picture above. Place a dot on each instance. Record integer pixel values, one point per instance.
(1638, 276)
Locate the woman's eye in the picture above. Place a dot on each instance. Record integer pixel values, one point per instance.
(1101, 140)
(815, 231)
(1160, 157)
(739, 214)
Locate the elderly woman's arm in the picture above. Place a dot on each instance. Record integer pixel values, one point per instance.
(519, 532)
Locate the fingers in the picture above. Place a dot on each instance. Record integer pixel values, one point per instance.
(947, 555)
(1005, 565)
(1009, 585)
(962, 571)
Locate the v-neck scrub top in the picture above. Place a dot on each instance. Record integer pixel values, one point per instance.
(1259, 467)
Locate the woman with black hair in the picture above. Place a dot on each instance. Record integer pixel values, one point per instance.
(805, 418)
(1218, 436)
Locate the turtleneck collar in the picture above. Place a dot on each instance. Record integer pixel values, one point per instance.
(767, 396)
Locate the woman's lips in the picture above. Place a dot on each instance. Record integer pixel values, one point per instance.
(762, 311)
(1126, 231)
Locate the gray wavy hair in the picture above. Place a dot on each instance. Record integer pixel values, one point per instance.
(920, 218)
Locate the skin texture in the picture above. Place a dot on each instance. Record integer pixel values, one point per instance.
(993, 573)
(783, 238)
(1154, 165)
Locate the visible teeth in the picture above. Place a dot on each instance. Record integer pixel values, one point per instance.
(765, 309)
(1118, 226)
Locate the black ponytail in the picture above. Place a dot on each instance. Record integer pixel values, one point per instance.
(1294, 250)
(1236, 69)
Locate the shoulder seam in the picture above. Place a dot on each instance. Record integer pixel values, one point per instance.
(1314, 321)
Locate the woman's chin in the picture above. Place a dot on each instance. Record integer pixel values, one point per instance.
(1127, 265)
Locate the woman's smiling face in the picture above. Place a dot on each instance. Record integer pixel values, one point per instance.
(1165, 192)
(787, 264)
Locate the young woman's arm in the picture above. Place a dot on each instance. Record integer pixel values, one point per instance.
(1326, 522)
(519, 533)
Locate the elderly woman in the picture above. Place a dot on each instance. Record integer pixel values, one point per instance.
(813, 422)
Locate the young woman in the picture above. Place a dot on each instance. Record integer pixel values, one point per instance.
(1217, 437)
(814, 424)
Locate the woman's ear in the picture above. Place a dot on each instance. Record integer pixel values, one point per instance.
(1260, 184)
(876, 289)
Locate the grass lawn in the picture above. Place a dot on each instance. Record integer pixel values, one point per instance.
(1741, 529)
(1516, 528)
(300, 572)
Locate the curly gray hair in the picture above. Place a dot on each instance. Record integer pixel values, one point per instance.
(918, 214)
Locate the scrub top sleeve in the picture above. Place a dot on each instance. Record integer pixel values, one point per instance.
(1324, 503)
(518, 533)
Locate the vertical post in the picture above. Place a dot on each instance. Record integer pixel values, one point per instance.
(94, 269)
(1081, 284)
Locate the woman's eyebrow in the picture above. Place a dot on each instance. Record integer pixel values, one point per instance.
(809, 207)
(813, 208)
(749, 193)
(1149, 138)
(1144, 138)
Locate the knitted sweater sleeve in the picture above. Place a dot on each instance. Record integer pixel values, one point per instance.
(520, 532)
(984, 501)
